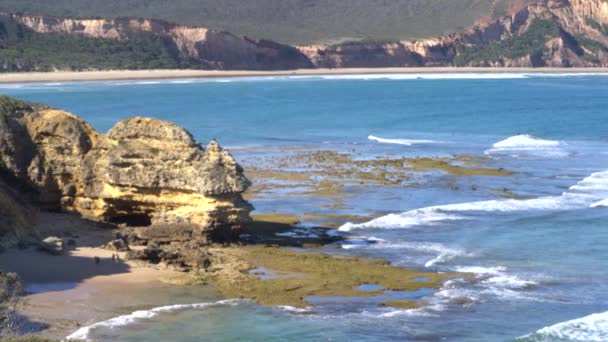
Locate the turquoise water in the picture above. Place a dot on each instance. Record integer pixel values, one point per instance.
(540, 262)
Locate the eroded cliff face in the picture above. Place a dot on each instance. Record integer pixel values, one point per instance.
(362, 55)
(142, 172)
(559, 33)
(213, 49)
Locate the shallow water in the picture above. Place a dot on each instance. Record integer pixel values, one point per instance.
(539, 262)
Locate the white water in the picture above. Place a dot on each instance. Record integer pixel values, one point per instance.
(405, 142)
(590, 192)
(84, 332)
(590, 328)
(528, 145)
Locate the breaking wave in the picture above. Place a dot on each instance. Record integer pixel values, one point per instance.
(590, 192)
(525, 144)
(84, 332)
(405, 142)
(590, 328)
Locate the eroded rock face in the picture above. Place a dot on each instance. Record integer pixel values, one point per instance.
(581, 40)
(213, 49)
(143, 171)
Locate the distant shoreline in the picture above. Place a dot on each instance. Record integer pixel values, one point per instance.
(75, 76)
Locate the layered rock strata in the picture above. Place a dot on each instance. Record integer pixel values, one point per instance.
(142, 172)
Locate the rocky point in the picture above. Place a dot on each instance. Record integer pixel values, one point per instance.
(143, 172)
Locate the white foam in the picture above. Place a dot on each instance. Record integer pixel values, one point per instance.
(293, 309)
(497, 277)
(404, 220)
(405, 142)
(442, 258)
(525, 141)
(591, 191)
(590, 328)
(525, 144)
(84, 332)
(496, 282)
(602, 203)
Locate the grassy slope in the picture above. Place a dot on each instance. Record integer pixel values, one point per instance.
(288, 21)
(24, 50)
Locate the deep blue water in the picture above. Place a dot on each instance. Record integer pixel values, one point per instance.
(539, 261)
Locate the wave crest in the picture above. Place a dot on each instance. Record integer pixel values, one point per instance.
(589, 192)
(405, 142)
(84, 332)
(590, 328)
(525, 144)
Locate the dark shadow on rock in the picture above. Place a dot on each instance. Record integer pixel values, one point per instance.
(286, 235)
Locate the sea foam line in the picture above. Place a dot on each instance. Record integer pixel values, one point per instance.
(84, 332)
(589, 192)
(405, 142)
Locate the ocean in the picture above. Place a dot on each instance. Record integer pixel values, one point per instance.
(540, 256)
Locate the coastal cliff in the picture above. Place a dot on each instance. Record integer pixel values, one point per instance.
(142, 172)
(182, 46)
(551, 33)
(555, 33)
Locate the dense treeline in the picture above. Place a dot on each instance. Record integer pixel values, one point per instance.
(289, 21)
(24, 50)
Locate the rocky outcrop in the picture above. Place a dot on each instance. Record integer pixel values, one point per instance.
(142, 172)
(209, 48)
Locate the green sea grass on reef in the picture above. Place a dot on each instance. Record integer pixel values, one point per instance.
(300, 275)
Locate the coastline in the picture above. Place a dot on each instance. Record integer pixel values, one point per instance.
(117, 75)
(64, 292)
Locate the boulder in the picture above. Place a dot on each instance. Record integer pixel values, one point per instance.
(149, 254)
(118, 245)
(52, 245)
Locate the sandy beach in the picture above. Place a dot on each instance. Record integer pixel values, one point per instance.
(71, 290)
(68, 76)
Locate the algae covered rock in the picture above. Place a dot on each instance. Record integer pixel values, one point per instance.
(143, 171)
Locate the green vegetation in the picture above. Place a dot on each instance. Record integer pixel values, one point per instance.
(531, 42)
(298, 275)
(590, 48)
(426, 164)
(11, 105)
(24, 50)
(602, 28)
(590, 44)
(287, 21)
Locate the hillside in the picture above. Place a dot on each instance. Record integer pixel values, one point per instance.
(553, 33)
(289, 21)
(46, 44)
